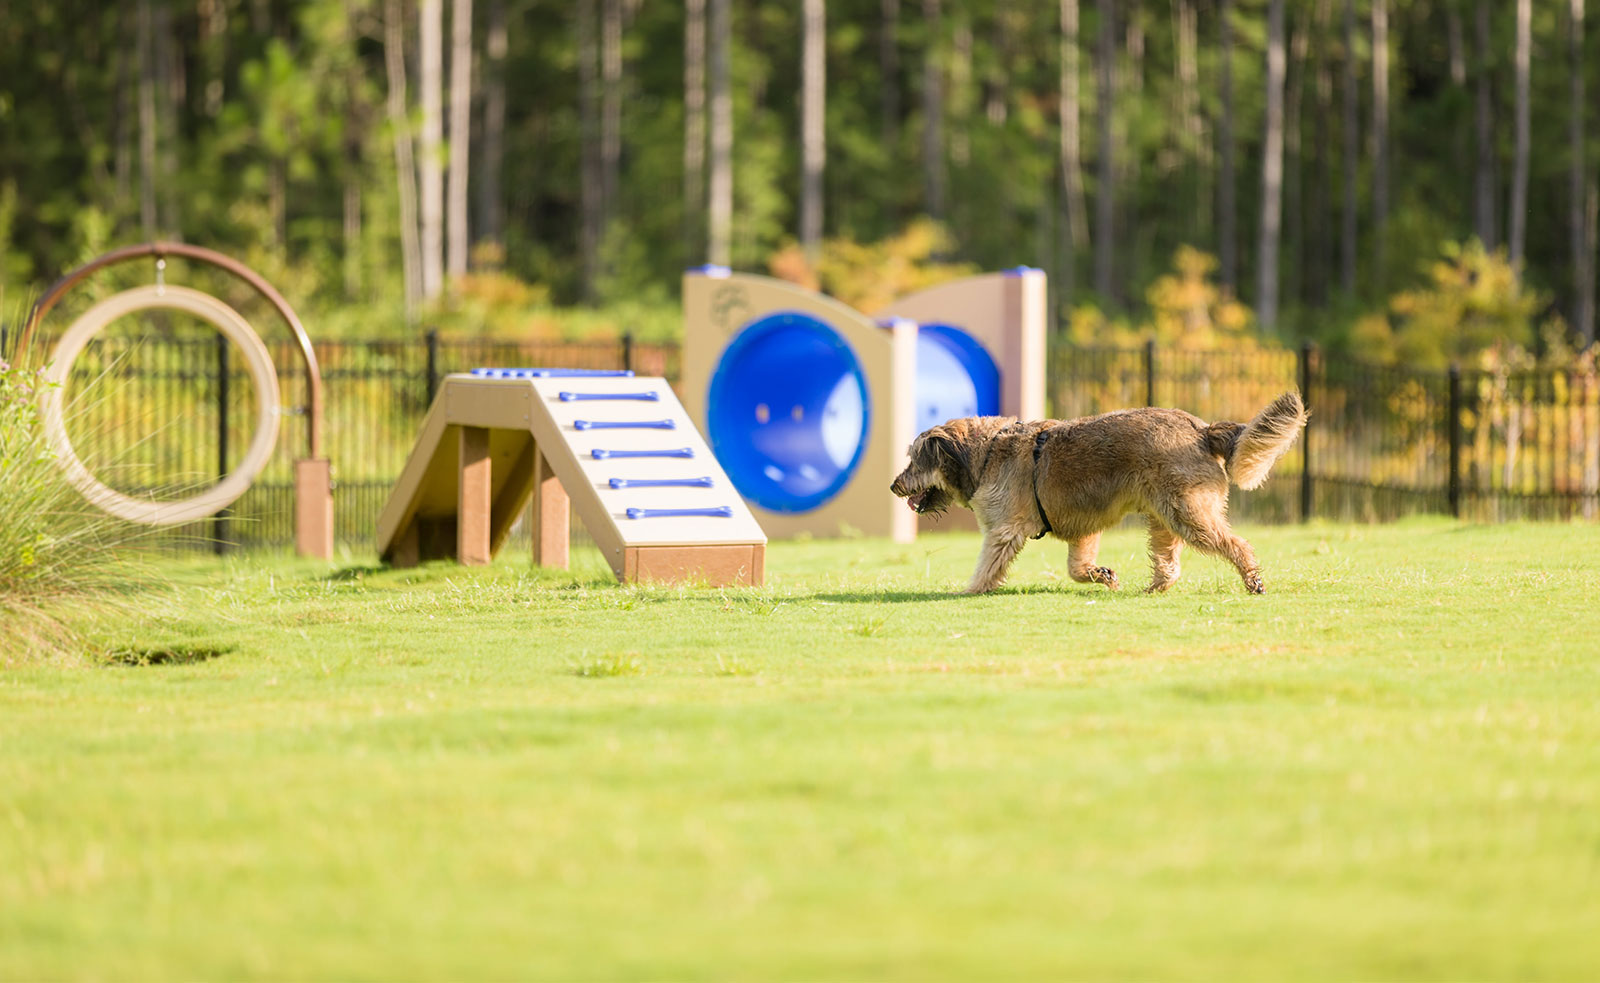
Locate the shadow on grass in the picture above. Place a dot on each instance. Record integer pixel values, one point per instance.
(347, 574)
(1023, 590)
(889, 596)
(175, 655)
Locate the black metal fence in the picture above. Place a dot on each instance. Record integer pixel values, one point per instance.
(1383, 441)
(162, 416)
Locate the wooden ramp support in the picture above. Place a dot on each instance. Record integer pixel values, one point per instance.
(618, 449)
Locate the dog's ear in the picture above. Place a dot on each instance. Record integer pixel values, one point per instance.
(954, 460)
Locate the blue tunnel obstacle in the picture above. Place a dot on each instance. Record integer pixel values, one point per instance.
(789, 407)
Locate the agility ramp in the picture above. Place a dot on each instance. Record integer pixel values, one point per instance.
(619, 449)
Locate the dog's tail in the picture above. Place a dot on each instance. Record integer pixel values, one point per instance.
(1250, 450)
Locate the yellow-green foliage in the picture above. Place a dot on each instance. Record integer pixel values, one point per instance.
(1474, 299)
(867, 276)
(1187, 311)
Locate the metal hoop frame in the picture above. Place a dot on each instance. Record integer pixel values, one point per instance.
(257, 359)
(162, 250)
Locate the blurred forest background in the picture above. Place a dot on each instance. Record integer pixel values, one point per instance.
(1406, 180)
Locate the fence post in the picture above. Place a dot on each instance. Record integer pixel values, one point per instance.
(1150, 372)
(1455, 439)
(627, 350)
(433, 363)
(219, 523)
(1308, 351)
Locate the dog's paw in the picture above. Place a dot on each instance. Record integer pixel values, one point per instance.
(1107, 576)
(1253, 584)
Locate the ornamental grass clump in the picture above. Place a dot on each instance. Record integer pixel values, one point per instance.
(59, 560)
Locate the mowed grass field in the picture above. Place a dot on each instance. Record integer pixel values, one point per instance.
(1387, 767)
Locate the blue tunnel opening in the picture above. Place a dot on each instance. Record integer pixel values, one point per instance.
(788, 408)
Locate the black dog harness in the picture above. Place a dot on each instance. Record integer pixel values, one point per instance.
(1038, 446)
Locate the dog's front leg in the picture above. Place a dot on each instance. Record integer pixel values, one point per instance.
(999, 549)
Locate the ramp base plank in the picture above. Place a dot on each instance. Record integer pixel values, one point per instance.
(490, 446)
(717, 566)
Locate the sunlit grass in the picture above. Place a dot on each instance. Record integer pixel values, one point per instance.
(1387, 767)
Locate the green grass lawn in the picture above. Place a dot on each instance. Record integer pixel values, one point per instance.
(1387, 767)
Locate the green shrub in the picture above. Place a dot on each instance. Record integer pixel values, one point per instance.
(58, 554)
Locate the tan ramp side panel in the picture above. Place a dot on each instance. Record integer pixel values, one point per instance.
(428, 489)
(717, 307)
(425, 468)
(1007, 314)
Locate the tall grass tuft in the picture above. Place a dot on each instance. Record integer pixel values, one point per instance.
(60, 557)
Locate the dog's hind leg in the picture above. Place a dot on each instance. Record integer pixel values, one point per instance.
(1165, 550)
(1200, 518)
(999, 549)
(1081, 566)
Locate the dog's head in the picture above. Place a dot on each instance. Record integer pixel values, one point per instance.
(940, 471)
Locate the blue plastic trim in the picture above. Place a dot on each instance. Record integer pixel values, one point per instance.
(661, 482)
(553, 373)
(718, 512)
(600, 454)
(711, 270)
(624, 425)
(1020, 270)
(651, 397)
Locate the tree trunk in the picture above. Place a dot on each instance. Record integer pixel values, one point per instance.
(1455, 44)
(491, 204)
(1190, 144)
(813, 154)
(460, 133)
(889, 73)
(170, 75)
(1380, 139)
(694, 128)
(148, 220)
(1227, 207)
(1320, 235)
(1483, 200)
(1074, 221)
(1105, 190)
(430, 150)
(354, 140)
(1294, 210)
(405, 167)
(933, 112)
(610, 118)
(1352, 137)
(1519, 167)
(721, 210)
(1582, 257)
(1271, 174)
(591, 184)
(1129, 84)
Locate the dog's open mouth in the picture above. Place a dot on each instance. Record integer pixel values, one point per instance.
(928, 500)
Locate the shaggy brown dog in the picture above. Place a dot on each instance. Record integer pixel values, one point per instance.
(1074, 478)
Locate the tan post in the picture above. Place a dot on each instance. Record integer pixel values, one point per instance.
(313, 508)
(476, 498)
(551, 517)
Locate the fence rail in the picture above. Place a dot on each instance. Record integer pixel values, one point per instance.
(172, 413)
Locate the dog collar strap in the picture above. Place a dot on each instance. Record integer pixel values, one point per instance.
(1038, 446)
